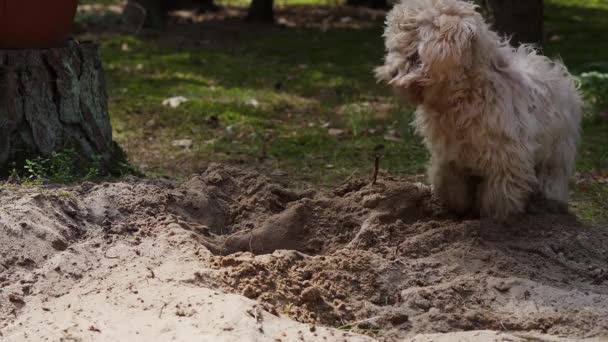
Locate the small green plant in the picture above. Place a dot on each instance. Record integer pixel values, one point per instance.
(62, 166)
(94, 168)
(35, 170)
(65, 166)
(360, 119)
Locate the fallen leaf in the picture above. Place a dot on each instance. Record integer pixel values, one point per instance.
(555, 38)
(392, 138)
(175, 101)
(252, 102)
(393, 135)
(336, 132)
(183, 143)
(278, 173)
(369, 132)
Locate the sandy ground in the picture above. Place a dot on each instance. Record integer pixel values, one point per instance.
(231, 256)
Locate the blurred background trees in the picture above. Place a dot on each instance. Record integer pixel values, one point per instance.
(368, 3)
(261, 10)
(520, 19)
(153, 13)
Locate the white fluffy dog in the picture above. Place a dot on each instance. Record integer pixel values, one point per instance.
(501, 123)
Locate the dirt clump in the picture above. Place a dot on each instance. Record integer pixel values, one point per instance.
(385, 261)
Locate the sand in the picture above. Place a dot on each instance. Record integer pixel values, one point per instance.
(229, 255)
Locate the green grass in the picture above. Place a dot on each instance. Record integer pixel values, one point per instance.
(289, 125)
(589, 202)
(577, 30)
(306, 81)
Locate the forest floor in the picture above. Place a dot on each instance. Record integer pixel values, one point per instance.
(255, 218)
(299, 98)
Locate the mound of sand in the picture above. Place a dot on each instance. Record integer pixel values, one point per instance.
(229, 255)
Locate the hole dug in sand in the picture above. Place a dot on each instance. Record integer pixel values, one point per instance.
(388, 260)
(383, 260)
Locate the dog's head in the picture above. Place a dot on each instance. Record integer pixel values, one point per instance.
(428, 41)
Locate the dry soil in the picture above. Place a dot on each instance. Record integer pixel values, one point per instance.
(230, 255)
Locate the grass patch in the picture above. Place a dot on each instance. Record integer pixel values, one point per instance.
(576, 31)
(269, 100)
(589, 203)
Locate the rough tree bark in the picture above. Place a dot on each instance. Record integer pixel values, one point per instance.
(261, 11)
(51, 99)
(521, 19)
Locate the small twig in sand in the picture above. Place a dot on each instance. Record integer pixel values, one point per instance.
(160, 314)
(377, 156)
(350, 326)
(258, 318)
(89, 292)
(502, 325)
(349, 178)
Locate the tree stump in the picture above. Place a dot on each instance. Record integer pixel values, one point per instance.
(52, 99)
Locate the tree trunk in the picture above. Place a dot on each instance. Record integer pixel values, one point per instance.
(521, 19)
(153, 13)
(261, 10)
(200, 5)
(147, 13)
(51, 99)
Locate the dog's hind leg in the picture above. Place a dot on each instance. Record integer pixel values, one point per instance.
(553, 181)
(554, 172)
(505, 189)
(452, 186)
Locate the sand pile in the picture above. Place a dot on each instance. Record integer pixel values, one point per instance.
(229, 255)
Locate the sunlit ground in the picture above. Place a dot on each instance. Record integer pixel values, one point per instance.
(300, 100)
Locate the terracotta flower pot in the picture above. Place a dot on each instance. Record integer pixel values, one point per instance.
(35, 23)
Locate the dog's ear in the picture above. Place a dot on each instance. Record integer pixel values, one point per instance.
(447, 42)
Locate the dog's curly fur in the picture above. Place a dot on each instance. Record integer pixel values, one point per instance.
(501, 123)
